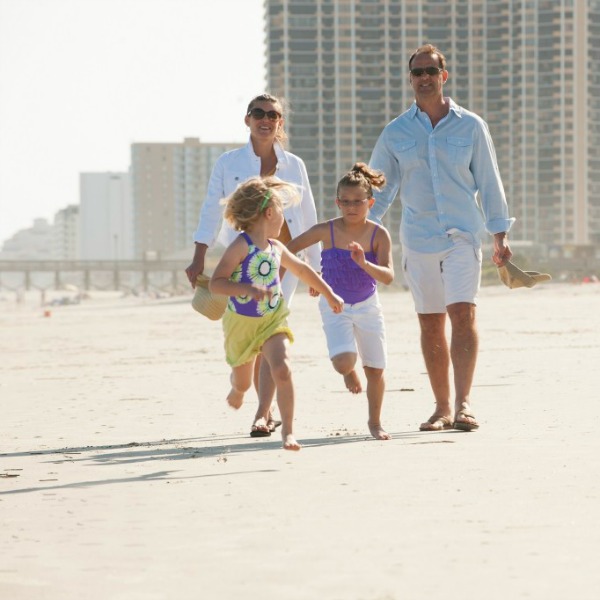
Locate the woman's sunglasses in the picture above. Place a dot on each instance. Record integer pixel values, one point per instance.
(420, 71)
(259, 113)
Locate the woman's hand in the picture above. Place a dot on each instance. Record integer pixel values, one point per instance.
(197, 266)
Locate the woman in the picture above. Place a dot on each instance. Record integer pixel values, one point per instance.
(264, 155)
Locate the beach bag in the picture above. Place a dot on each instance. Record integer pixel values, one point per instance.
(207, 304)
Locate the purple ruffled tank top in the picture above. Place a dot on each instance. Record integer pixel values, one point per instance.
(344, 276)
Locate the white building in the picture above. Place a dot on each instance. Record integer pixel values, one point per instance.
(65, 233)
(169, 182)
(106, 225)
(30, 244)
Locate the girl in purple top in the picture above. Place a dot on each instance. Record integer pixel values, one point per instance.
(357, 253)
(255, 319)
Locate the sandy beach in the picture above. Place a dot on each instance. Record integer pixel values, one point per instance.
(125, 476)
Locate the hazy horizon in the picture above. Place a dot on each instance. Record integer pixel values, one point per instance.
(82, 81)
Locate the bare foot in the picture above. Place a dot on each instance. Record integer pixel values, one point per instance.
(353, 382)
(235, 399)
(290, 443)
(378, 432)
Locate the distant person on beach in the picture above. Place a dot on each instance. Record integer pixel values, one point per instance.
(356, 254)
(264, 155)
(439, 156)
(255, 320)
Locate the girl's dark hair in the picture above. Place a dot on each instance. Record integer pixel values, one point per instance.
(361, 175)
(281, 135)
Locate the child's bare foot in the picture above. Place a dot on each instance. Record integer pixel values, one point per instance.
(235, 399)
(289, 442)
(378, 432)
(353, 382)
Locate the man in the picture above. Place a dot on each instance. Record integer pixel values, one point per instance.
(438, 156)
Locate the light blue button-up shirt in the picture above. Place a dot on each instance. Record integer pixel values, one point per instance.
(438, 172)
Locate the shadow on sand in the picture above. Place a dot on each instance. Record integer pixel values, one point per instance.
(187, 448)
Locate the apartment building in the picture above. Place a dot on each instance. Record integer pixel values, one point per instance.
(65, 233)
(169, 182)
(526, 66)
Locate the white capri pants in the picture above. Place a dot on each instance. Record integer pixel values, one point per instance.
(359, 328)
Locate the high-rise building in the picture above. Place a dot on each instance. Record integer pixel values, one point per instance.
(65, 233)
(106, 223)
(169, 183)
(526, 66)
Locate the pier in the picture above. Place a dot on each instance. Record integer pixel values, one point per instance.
(127, 275)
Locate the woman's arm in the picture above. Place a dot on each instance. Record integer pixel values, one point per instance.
(309, 216)
(210, 218)
(211, 213)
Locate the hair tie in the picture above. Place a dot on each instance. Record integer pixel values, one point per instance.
(265, 200)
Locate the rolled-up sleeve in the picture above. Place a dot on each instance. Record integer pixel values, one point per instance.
(484, 167)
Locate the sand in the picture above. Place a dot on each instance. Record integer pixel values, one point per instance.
(124, 475)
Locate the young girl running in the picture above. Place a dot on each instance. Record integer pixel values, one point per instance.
(357, 253)
(255, 319)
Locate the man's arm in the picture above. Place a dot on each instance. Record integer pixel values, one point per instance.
(382, 159)
(486, 173)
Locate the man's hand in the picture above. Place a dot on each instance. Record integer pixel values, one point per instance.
(502, 252)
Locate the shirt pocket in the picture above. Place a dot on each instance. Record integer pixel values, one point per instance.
(460, 150)
(231, 181)
(405, 152)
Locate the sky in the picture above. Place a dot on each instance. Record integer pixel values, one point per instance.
(81, 80)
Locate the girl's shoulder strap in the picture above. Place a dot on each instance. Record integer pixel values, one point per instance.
(246, 237)
(373, 235)
(331, 233)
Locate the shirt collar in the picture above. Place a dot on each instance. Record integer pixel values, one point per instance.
(455, 108)
(279, 152)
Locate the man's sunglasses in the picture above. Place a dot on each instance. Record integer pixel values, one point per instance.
(420, 71)
(259, 113)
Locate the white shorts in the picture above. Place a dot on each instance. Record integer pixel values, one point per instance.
(359, 328)
(442, 278)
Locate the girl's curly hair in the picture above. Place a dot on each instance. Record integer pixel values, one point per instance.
(249, 201)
